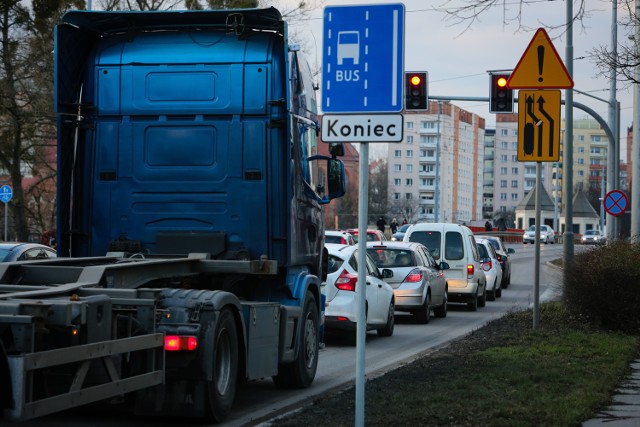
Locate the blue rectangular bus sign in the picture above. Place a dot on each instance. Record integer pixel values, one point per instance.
(363, 59)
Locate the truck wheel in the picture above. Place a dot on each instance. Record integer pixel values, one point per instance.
(301, 372)
(222, 387)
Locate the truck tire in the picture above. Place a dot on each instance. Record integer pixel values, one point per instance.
(221, 389)
(301, 372)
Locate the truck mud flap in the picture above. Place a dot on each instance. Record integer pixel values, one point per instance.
(24, 367)
(290, 321)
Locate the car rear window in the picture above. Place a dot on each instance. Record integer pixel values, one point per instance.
(390, 258)
(482, 251)
(334, 239)
(453, 247)
(430, 239)
(334, 264)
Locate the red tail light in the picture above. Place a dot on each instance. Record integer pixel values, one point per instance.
(347, 281)
(178, 343)
(470, 270)
(486, 266)
(413, 277)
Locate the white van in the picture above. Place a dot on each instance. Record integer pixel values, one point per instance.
(456, 245)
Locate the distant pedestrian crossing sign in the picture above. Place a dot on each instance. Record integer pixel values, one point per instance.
(6, 193)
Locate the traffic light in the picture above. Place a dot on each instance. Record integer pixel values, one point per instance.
(501, 99)
(416, 91)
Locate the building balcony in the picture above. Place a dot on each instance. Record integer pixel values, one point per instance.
(428, 131)
(427, 202)
(427, 159)
(427, 174)
(427, 188)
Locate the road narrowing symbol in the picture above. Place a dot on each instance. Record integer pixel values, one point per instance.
(539, 125)
(615, 202)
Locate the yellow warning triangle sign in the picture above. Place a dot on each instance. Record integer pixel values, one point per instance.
(540, 67)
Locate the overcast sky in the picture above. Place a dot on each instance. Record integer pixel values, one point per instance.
(457, 59)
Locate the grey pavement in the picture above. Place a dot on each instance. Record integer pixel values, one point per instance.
(624, 410)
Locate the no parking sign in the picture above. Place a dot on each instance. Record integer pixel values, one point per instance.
(615, 202)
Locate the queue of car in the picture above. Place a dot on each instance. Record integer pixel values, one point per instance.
(433, 265)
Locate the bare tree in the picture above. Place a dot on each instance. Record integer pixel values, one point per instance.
(27, 122)
(404, 209)
(378, 190)
(625, 59)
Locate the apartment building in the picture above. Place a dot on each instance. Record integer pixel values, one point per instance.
(438, 167)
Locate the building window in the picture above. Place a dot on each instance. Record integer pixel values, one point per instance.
(514, 157)
(514, 196)
(504, 145)
(396, 196)
(427, 125)
(514, 184)
(514, 171)
(397, 181)
(515, 132)
(409, 168)
(409, 125)
(503, 183)
(409, 182)
(503, 171)
(580, 173)
(503, 196)
(410, 139)
(397, 153)
(408, 196)
(595, 138)
(504, 158)
(397, 168)
(427, 139)
(581, 161)
(409, 153)
(514, 145)
(581, 138)
(504, 132)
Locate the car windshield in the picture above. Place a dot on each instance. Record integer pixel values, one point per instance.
(591, 233)
(404, 228)
(494, 243)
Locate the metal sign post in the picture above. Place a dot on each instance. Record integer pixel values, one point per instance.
(362, 85)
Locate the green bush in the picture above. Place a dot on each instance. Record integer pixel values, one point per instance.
(604, 286)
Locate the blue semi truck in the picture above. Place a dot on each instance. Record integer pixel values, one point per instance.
(190, 224)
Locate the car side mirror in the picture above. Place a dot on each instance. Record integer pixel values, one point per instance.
(511, 251)
(387, 273)
(444, 265)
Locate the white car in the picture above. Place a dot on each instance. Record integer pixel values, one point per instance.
(491, 267)
(418, 280)
(341, 298)
(339, 237)
(547, 235)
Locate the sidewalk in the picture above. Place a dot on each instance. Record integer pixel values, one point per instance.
(625, 409)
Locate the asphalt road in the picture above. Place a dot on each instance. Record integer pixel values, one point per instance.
(260, 401)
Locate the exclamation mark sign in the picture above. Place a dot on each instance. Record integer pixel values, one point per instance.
(540, 62)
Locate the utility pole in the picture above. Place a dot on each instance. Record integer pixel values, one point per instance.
(613, 156)
(635, 145)
(567, 179)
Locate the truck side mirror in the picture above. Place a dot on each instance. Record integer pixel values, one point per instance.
(337, 184)
(336, 149)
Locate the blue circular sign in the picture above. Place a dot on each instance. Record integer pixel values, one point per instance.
(6, 193)
(615, 202)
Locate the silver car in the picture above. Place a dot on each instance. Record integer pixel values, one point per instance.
(418, 281)
(547, 235)
(593, 237)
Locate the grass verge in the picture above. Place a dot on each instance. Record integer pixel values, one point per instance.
(504, 374)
